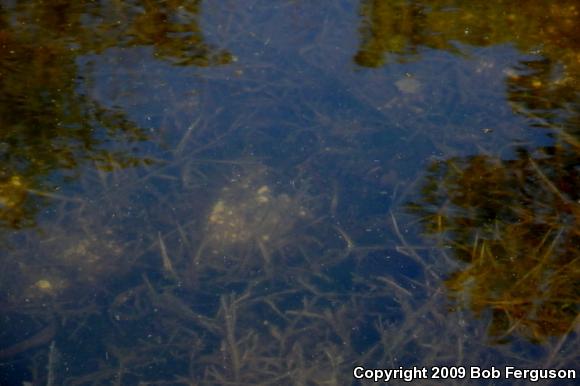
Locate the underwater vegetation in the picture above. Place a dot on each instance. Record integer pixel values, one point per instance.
(512, 217)
(174, 215)
(514, 226)
(52, 124)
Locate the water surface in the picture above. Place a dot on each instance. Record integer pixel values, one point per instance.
(277, 192)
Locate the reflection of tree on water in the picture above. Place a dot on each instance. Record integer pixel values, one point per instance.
(50, 129)
(184, 314)
(515, 223)
(401, 29)
(546, 91)
(53, 133)
(171, 28)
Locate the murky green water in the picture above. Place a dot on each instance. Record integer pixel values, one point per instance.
(278, 192)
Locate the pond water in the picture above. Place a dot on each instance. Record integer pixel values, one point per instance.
(281, 192)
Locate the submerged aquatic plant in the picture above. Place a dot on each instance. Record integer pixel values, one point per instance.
(514, 225)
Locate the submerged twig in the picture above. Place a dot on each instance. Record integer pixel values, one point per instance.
(547, 181)
(408, 248)
(53, 355)
(229, 310)
(167, 264)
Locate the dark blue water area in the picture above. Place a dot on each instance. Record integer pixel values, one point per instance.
(341, 149)
(335, 123)
(352, 127)
(293, 98)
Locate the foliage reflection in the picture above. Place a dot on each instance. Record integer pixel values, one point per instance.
(50, 128)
